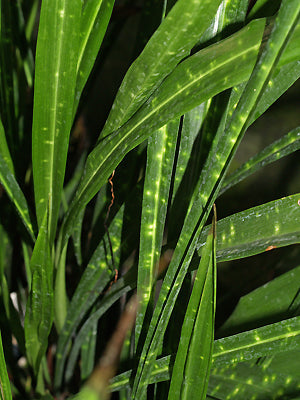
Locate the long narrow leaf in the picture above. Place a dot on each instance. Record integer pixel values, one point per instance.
(39, 308)
(5, 391)
(160, 158)
(16, 195)
(194, 354)
(94, 21)
(246, 346)
(271, 302)
(228, 247)
(262, 381)
(282, 147)
(55, 74)
(234, 57)
(223, 149)
(94, 279)
(167, 47)
(257, 229)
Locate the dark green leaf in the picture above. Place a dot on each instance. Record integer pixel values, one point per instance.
(5, 391)
(16, 195)
(275, 151)
(172, 98)
(193, 359)
(167, 47)
(39, 308)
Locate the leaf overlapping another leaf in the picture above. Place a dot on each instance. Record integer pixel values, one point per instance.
(231, 62)
(39, 308)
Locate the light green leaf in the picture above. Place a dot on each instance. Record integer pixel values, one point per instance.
(221, 153)
(257, 229)
(268, 340)
(5, 391)
(60, 295)
(55, 74)
(166, 48)
(39, 308)
(255, 381)
(230, 57)
(282, 147)
(194, 354)
(160, 158)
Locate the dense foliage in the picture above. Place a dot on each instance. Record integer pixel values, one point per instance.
(110, 241)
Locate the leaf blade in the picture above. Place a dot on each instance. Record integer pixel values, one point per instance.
(192, 363)
(108, 153)
(39, 307)
(56, 57)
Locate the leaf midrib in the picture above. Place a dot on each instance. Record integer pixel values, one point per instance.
(53, 130)
(154, 110)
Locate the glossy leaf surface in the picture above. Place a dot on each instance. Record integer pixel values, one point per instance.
(246, 346)
(14, 192)
(160, 158)
(193, 359)
(55, 74)
(39, 308)
(167, 47)
(172, 99)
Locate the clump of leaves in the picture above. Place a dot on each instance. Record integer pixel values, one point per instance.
(113, 258)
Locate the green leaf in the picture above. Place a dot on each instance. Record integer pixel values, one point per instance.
(255, 241)
(121, 287)
(264, 8)
(222, 151)
(4, 151)
(87, 393)
(281, 79)
(60, 295)
(160, 158)
(194, 354)
(230, 57)
(262, 381)
(55, 75)
(7, 95)
(95, 278)
(94, 20)
(15, 194)
(184, 251)
(257, 229)
(5, 391)
(88, 352)
(281, 337)
(12, 314)
(274, 301)
(280, 148)
(166, 48)
(39, 308)
(192, 122)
